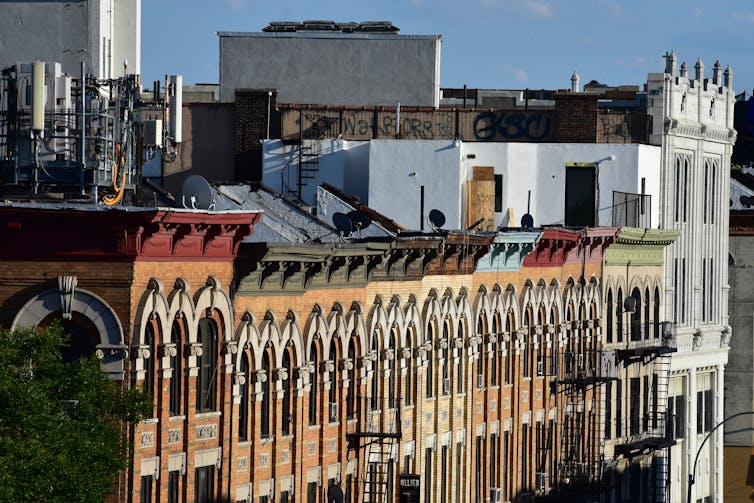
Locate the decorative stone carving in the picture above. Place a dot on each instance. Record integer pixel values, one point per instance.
(231, 347)
(242, 464)
(725, 337)
(174, 436)
(346, 364)
(282, 374)
(147, 439)
(67, 288)
(196, 349)
(260, 376)
(206, 432)
(143, 352)
(239, 378)
(169, 350)
(698, 339)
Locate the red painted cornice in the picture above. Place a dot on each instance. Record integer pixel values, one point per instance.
(558, 247)
(50, 233)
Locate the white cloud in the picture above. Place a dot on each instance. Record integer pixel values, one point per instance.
(697, 12)
(747, 18)
(539, 10)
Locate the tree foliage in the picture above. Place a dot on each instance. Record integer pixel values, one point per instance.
(62, 425)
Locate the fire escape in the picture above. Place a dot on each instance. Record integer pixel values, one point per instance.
(645, 434)
(373, 434)
(579, 372)
(312, 129)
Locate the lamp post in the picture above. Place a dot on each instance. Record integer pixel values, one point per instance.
(692, 475)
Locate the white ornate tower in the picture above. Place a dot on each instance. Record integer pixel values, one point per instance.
(692, 121)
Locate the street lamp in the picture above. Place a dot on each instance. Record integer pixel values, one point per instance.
(692, 475)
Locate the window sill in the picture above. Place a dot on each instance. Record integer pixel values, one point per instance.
(176, 419)
(150, 420)
(268, 439)
(244, 443)
(207, 415)
(314, 427)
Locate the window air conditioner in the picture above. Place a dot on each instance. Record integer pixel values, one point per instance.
(333, 412)
(540, 368)
(495, 494)
(446, 386)
(480, 380)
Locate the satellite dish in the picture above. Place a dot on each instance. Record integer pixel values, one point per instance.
(527, 221)
(198, 193)
(343, 224)
(436, 219)
(359, 221)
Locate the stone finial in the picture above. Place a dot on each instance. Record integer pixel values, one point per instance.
(728, 77)
(699, 66)
(670, 62)
(684, 70)
(717, 72)
(575, 82)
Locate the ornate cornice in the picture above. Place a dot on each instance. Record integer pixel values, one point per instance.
(640, 246)
(508, 251)
(559, 246)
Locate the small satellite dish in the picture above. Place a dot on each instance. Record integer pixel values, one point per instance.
(359, 220)
(198, 193)
(436, 219)
(343, 224)
(527, 221)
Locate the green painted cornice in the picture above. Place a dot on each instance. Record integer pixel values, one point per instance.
(508, 251)
(640, 246)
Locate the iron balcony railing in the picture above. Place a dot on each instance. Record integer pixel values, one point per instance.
(632, 210)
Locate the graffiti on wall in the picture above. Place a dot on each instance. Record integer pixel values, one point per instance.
(366, 124)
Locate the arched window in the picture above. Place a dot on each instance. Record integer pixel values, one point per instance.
(287, 391)
(459, 366)
(352, 385)
(636, 316)
(149, 370)
(176, 370)
(332, 396)
(243, 409)
(509, 327)
(314, 379)
(542, 346)
(392, 391)
(376, 374)
(528, 322)
(481, 327)
(264, 420)
(657, 313)
(647, 335)
(444, 355)
(619, 324)
(430, 388)
(493, 363)
(206, 386)
(409, 399)
(609, 321)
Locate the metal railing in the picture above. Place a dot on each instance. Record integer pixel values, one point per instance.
(632, 210)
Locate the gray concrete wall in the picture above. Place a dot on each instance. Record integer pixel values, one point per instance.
(46, 31)
(333, 68)
(739, 374)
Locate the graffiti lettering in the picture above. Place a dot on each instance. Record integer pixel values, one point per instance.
(511, 126)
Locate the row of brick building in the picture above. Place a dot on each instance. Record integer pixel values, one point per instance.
(433, 366)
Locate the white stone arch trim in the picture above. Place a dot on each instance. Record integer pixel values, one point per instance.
(511, 305)
(432, 308)
(355, 328)
(465, 312)
(528, 298)
(212, 297)
(336, 324)
(395, 320)
(483, 308)
(415, 324)
(249, 339)
(152, 306)
(316, 327)
(290, 336)
(556, 299)
(181, 305)
(377, 321)
(89, 305)
(594, 294)
(269, 336)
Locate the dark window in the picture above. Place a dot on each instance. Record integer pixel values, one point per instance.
(145, 493)
(176, 370)
(709, 410)
(459, 471)
(206, 399)
(478, 471)
(264, 420)
(645, 404)
(149, 370)
(527, 343)
(287, 391)
(498, 193)
(634, 404)
(505, 457)
(332, 396)
(647, 335)
(243, 409)
(526, 456)
(508, 348)
(680, 417)
(173, 486)
(493, 363)
(481, 360)
(657, 313)
(610, 314)
(352, 385)
(444, 477)
(655, 397)
(459, 365)
(376, 374)
(204, 485)
(618, 408)
(580, 200)
(393, 377)
(314, 381)
(311, 492)
(636, 316)
(408, 398)
(284, 497)
(429, 391)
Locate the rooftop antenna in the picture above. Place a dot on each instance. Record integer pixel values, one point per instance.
(436, 219)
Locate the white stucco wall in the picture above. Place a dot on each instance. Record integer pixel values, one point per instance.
(394, 192)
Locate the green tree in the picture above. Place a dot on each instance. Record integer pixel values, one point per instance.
(62, 425)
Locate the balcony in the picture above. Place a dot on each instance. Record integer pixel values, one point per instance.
(653, 347)
(632, 210)
(644, 434)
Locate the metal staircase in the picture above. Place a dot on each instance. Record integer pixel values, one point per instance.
(378, 472)
(308, 163)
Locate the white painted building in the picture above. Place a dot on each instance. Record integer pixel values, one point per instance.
(388, 176)
(101, 33)
(693, 121)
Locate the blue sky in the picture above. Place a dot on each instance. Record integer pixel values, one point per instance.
(486, 43)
